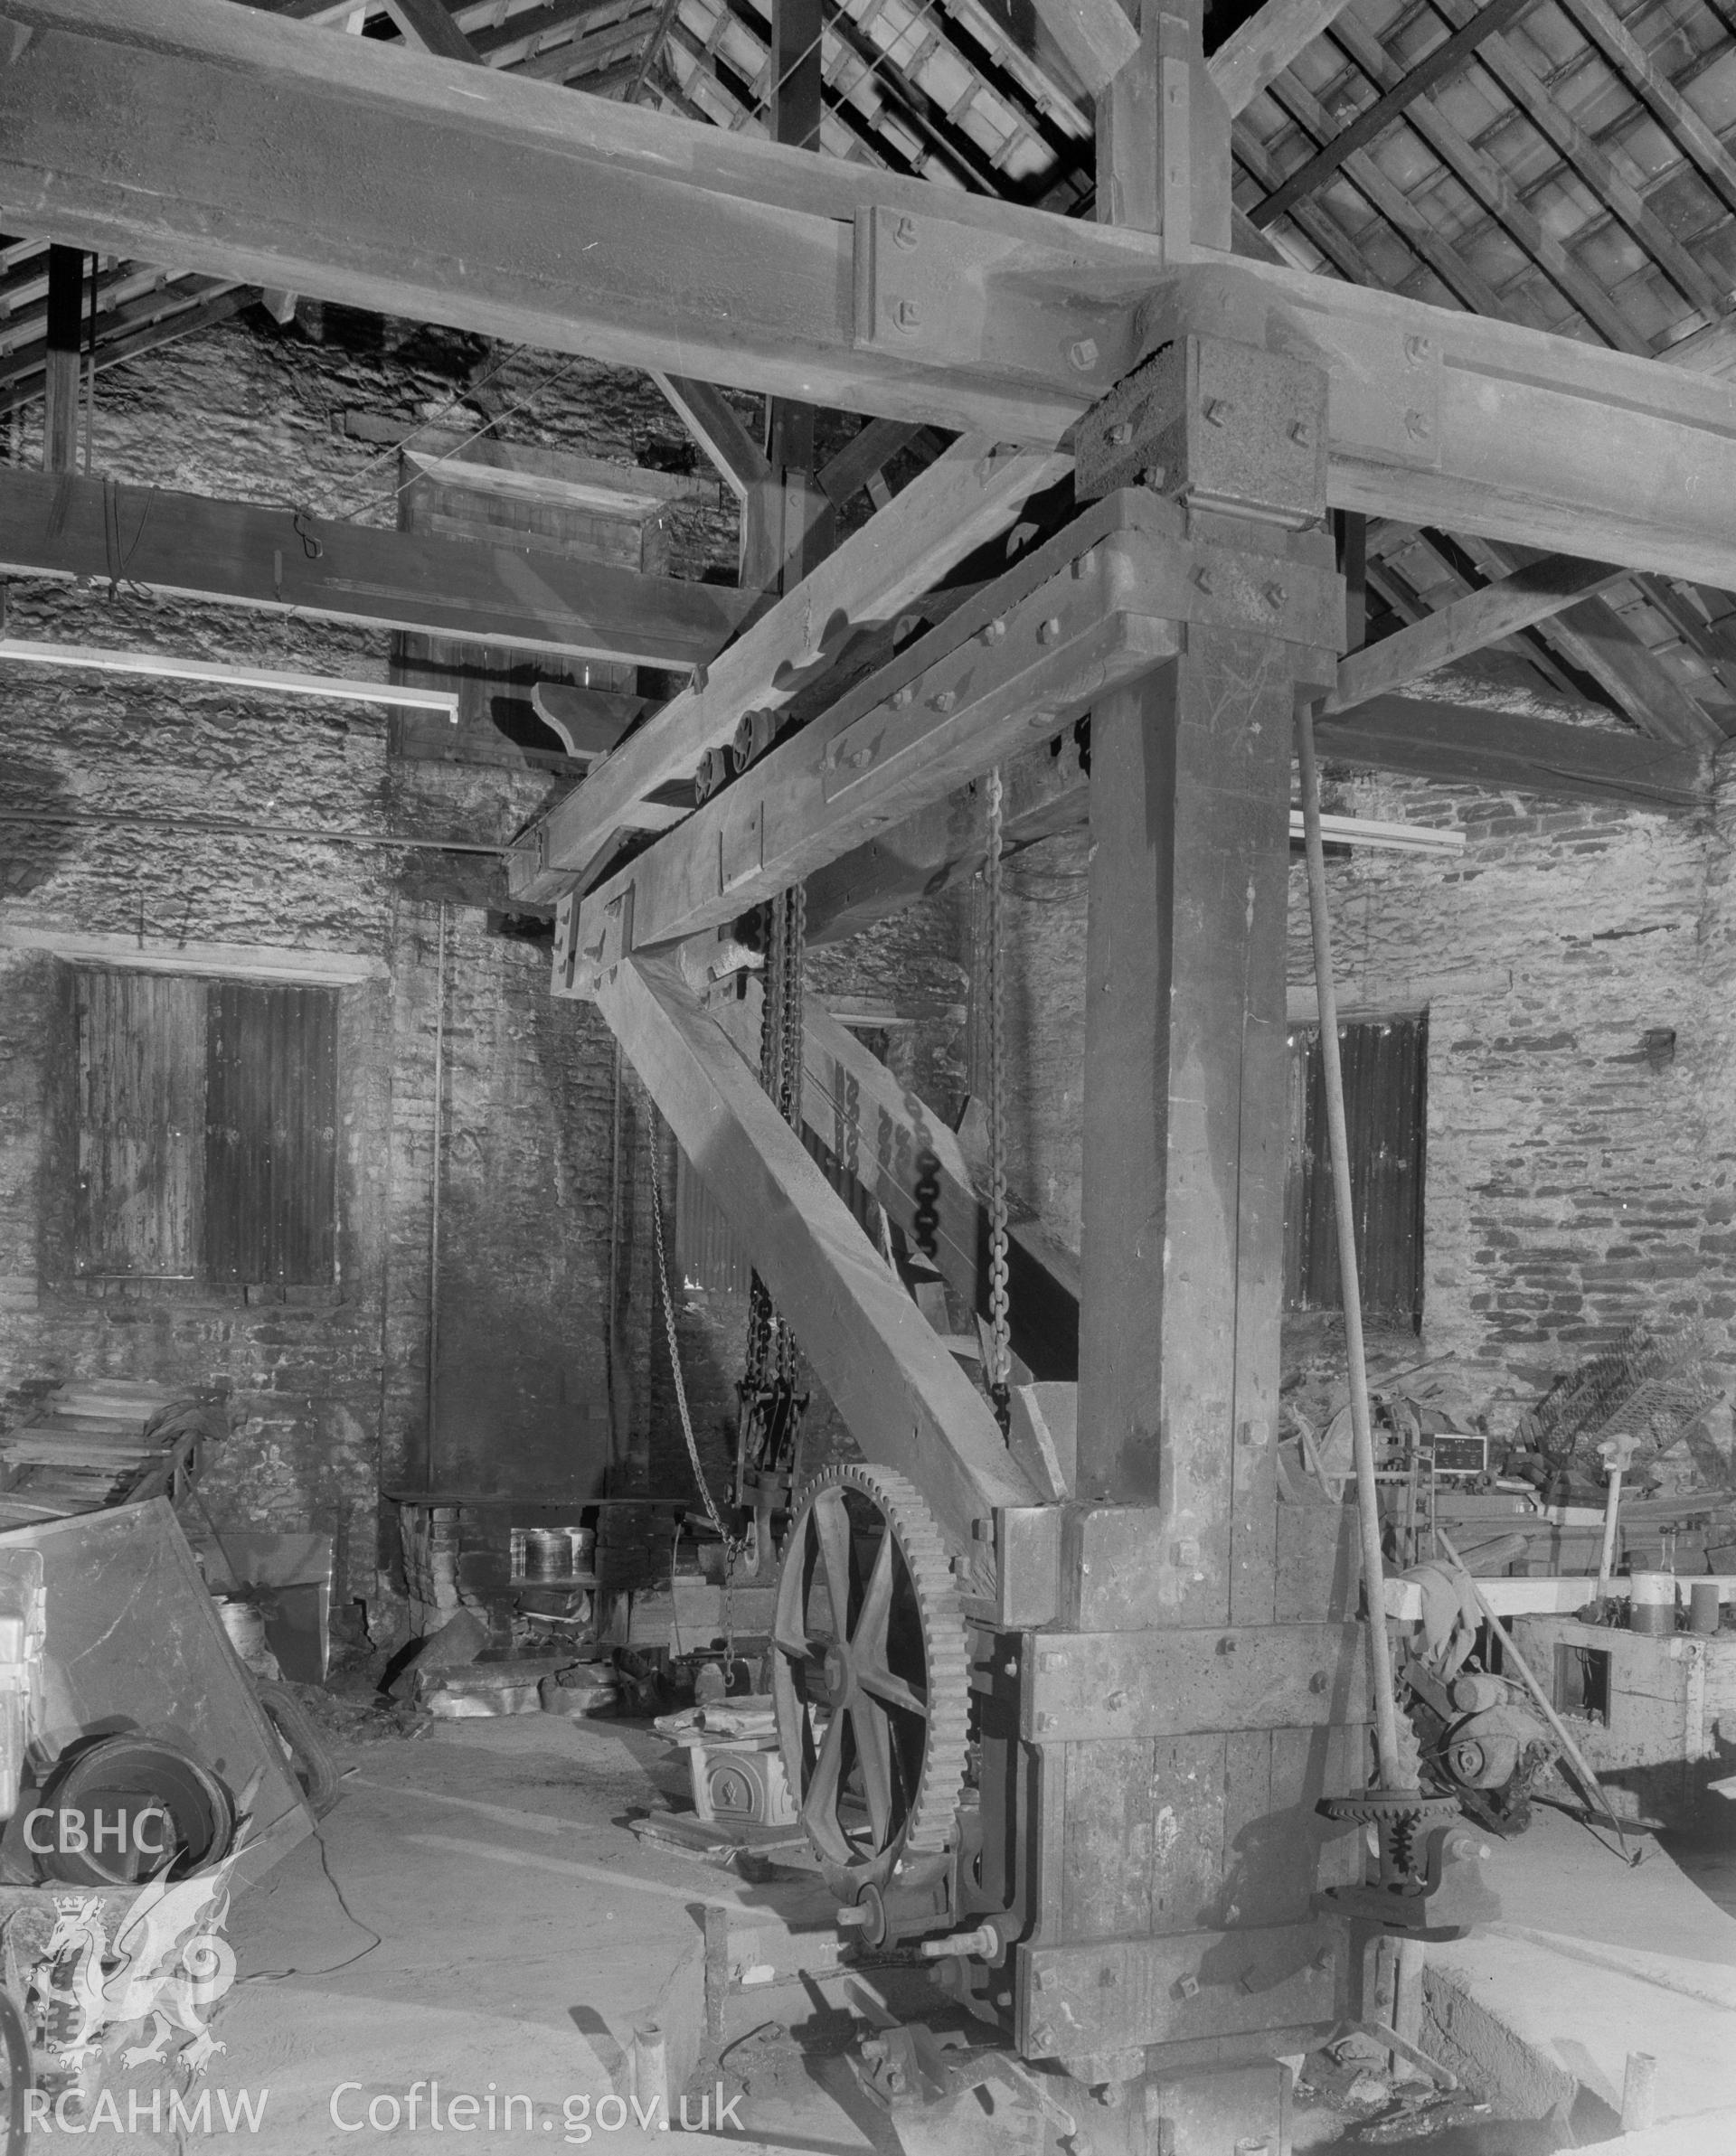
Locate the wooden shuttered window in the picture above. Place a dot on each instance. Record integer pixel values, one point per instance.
(271, 1133)
(207, 1115)
(1385, 1063)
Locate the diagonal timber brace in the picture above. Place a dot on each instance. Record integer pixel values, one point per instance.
(1099, 605)
(905, 1399)
(968, 495)
(903, 1155)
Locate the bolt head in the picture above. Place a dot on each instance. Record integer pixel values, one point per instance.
(1418, 426)
(906, 315)
(1083, 355)
(946, 700)
(1121, 434)
(1276, 596)
(1048, 631)
(904, 233)
(1302, 433)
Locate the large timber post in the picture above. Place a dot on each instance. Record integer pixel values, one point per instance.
(1205, 1686)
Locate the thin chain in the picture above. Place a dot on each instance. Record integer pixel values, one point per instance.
(1000, 1352)
(731, 1543)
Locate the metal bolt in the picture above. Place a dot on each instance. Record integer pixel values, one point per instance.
(1318, 1683)
(1051, 1661)
(1203, 578)
(1010, 1668)
(1155, 474)
(1083, 355)
(1217, 411)
(1188, 1986)
(1085, 565)
(1276, 596)
(853, 1919)
(904, 233)
(1302, 433)
(1109, 2095)
(1045, 1721)
(1229, 1643)
(901, 697)
(1323, 1960)
(1417, 424)
(994, 631)
(1120, 434)
(907, 313)
(1416, 350)
(1048, 631)
(1042, 2037)
(1114, 1701)
(946, 700)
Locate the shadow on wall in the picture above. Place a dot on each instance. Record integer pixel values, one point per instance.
(33, 841)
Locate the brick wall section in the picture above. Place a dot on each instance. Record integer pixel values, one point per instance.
(328, 1398)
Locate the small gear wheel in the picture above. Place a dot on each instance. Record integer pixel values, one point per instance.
(870, 1675)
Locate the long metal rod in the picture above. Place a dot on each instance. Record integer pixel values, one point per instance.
(1380, 1654)
(1546, 1706)
(434, 1198)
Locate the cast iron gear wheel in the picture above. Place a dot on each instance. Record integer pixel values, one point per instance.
(869, 1675)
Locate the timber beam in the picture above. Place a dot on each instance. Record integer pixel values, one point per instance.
(913, 1165)
(394, 180)
(285, 562)
(907, 1402)
(1098, 604)
(1470, 744)
(968, 495)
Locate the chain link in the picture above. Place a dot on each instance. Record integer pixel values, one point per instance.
(1000, 1345)
(732, 1544)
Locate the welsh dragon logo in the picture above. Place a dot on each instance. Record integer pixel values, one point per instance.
(167, 1964)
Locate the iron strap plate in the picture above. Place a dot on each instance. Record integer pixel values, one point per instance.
(1118, 1993)
(1084, 1685)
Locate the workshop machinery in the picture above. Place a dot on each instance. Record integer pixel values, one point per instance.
(1085, 1720)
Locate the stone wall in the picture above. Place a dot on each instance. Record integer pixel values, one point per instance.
(1579, 1166)
(114, 786)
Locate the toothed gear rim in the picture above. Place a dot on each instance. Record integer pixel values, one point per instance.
(872, 1724)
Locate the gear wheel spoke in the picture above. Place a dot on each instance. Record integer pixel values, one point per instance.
(870, 1674)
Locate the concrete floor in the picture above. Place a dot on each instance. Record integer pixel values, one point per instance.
(476, 1914)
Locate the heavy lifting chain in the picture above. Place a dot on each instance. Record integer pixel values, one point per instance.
(770, 1418)
(999, 1372)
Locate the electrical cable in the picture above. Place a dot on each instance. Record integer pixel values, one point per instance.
(731, 1543)
(276, 1976)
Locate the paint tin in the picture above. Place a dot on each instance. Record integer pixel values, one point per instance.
(1652, 1602)
(547, 1553)
(1702, 1606)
